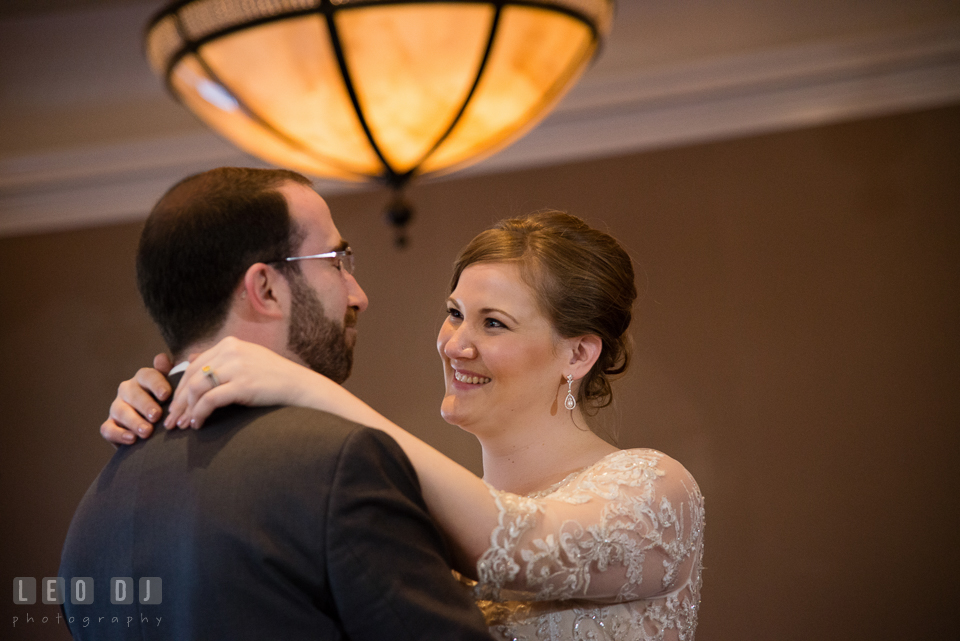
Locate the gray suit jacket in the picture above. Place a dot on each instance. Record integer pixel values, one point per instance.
(269, 523)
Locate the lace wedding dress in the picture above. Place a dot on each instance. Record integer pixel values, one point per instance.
(612, 552)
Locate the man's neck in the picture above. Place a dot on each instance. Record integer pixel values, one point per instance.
(182, 357)
(194, 349)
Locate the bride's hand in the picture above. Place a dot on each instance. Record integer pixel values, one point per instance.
(235, 372)
(135, 403)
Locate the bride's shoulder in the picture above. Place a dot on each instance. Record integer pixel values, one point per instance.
(639, 457)
(643, 466)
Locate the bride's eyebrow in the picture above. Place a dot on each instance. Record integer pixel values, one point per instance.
(485, 310)
(488, 310)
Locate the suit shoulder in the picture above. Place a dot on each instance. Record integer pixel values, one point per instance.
(307, 423)
(300, 428)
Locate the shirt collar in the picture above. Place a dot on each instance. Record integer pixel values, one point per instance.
(179, 368)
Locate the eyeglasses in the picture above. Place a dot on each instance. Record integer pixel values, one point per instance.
(342, 259)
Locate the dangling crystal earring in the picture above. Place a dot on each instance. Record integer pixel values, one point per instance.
(570, 402)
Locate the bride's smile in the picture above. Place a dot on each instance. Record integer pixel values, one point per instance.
(470, 379)
(501, 357)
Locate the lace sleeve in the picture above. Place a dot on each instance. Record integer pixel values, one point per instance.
(629, 527)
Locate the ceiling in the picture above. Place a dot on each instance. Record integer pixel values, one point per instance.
(11, 8)
(88, 137)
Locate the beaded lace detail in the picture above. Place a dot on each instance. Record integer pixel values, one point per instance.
(612, 552)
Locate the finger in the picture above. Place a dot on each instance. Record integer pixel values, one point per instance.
(179, 402)
(176, 409)
(199, 389)
(192, 386)
(162, 363)
(128, 418)
(154, 381)
(116, 434)
(133, 394)
(207, 403)
(196, 382)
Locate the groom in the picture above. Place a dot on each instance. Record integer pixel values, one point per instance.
(270, 523)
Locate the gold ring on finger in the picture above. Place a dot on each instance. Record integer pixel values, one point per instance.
(209, 373)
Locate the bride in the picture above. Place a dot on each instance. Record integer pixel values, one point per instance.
(565, 537)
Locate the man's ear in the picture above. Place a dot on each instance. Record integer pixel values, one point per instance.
(265, 291)
(584, 352)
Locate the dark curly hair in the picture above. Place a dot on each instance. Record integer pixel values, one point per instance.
(582, 279)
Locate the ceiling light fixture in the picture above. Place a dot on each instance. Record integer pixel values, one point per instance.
(386, 90)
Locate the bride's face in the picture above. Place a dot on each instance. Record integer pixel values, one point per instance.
(501, 361)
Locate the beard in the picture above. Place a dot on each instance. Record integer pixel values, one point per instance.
(319, 342)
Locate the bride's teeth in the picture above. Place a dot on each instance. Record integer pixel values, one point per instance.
(472, 380)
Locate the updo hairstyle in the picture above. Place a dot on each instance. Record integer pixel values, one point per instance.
(582, 279)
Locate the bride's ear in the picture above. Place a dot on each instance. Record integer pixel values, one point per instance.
(263, 291)
(584, 352)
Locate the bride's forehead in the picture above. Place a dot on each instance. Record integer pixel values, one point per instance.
(490, 277)
(487, 283)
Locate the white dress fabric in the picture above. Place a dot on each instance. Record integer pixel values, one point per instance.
(611, 553)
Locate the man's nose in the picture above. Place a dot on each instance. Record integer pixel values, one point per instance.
(356, 297)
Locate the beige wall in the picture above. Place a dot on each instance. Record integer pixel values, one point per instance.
(796, 348)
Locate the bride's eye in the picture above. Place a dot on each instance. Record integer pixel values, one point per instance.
(453, 312)
(495, 324)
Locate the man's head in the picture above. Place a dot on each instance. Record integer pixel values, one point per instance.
(211, 263)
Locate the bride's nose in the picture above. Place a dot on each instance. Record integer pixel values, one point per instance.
(456, 343)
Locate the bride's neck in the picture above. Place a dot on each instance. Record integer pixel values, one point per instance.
(526, 460)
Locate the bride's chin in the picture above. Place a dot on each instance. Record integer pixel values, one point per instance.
(449, 413)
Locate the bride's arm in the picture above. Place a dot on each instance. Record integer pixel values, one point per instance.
(456, 498)
(632, 530)
(250, 374)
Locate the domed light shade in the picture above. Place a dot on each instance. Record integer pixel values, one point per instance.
(373, 89)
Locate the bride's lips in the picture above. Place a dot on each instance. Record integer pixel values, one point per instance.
(465, 380)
